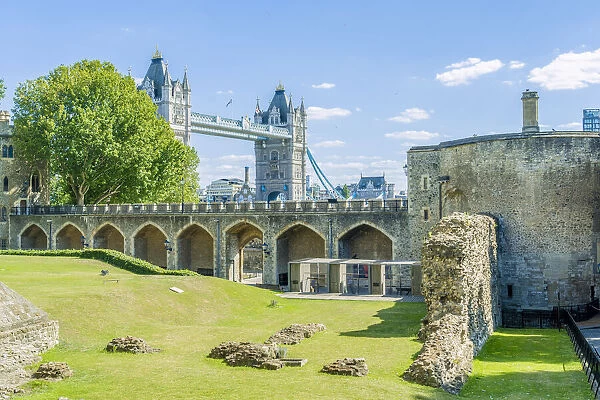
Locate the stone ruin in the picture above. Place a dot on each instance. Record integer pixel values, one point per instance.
(295, 333)
(129, 344)
(268, 355)
(459, 264)
(347, 366)
(53, 371)
(25, 333)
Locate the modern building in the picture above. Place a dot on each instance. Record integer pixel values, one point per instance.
(223, 190)
(591, 120)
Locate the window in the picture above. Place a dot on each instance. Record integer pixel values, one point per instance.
(284, 156)
(426, 214)
(268, 176)
(5, 186)
(281, 175)
(10, 151)
(274, 155)
(4, 214)
(264, 157)
(509, 291)
(3, 244)
(35, 183)
(425, 182)
(4, 151)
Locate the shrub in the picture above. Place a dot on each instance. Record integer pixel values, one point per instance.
(112, 257)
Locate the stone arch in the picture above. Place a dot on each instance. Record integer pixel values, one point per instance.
(69, 236)
(275, 195)
(297, 241)
(149, 244)
(367, 241)
(33, 238)
(195, 249)
(241, 260)
(108, 236)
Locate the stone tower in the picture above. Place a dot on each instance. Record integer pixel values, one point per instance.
(173, 98)
(530, 111)
(281, 163)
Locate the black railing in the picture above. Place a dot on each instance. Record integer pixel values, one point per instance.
(529, 319)
(379, 205)
(590, 360)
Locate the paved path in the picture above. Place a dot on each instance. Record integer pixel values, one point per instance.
(339, 296)
(591, 330)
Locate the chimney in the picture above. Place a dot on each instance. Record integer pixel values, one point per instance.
(246, 175)
(530, 112)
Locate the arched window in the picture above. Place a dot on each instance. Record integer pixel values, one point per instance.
(35, 183)
(274, 155)
(4, 215)
(4, 151)
(5, 186)
(10, 151)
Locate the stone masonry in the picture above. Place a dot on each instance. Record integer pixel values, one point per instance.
(459, 274)
(25, 332)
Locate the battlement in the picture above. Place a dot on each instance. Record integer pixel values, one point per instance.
(259, 207)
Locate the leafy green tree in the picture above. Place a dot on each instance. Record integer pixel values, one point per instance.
(98, 138)
(2, 89)
(346, 191)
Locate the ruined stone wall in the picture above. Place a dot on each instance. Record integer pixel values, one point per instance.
(459, 267)
(544, 190)
(25, 332)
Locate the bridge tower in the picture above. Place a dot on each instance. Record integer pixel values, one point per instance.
(281, 163)
(173, 98)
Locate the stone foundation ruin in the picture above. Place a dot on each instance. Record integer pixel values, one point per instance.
(459, 264)
(25, 333)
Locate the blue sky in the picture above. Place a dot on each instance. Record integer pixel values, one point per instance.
(378, 77)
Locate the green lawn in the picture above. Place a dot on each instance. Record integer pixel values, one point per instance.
(515, 364)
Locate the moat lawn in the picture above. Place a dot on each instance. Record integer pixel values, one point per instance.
(515, 364)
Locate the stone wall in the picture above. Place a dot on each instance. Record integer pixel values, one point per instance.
(459, 267)
(544, 191)
(25, 332)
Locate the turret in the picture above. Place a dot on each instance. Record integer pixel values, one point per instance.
(257, 113)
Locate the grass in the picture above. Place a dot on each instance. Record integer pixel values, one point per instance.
(515, 364)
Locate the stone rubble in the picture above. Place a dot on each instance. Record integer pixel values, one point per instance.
(295, 333)
(347, 366)
(130, 344)
(247, 354)
(53, 371)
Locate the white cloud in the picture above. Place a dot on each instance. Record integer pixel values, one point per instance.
(412, 135)
(569, 71)
(343, 166)
(358, 109)
(324, 85)
(516, 64)
(571, 126)
(327, 113)
(508, 83)
(236, 158)
(126, 30)
(330, 143)
(462, 73)
(225, 91)
(411, 115)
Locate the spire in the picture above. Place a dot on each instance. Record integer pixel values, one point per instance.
(257, 111)
(302, 106)
(157, 54)
(167, 81)
(279, 87)
(290, 106)
(186, 85)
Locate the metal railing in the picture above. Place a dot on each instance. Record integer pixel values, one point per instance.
(590, 360)
(296, 207)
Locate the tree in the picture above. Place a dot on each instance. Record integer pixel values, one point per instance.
(2, 89)
(98, 138)
(346, 191)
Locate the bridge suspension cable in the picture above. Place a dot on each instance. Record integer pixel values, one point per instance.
(333, 192)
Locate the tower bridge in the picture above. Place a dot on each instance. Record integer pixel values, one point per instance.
(278, 133)
(210, 238)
